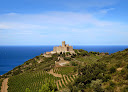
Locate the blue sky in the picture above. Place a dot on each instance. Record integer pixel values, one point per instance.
(78, 22)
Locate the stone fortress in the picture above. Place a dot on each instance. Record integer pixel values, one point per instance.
(61, 49)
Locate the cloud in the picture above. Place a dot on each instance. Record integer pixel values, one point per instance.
(2, 26)
(49, 20)
(105, 11)
(57, 26)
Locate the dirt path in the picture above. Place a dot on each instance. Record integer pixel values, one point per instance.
(54, 74)
(4, 85)
(57, 85)
(68, 79)
(60, 84)
(71, 78)
(65, 80)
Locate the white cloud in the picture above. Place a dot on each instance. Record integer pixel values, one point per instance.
(59, 26)
(49, 20)
(2, 26)
(104, 11)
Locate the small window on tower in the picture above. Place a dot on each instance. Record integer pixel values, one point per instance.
(67, 48)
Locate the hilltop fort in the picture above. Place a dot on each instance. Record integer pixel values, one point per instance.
(61, 49)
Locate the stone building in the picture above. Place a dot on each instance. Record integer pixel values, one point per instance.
(64, 48)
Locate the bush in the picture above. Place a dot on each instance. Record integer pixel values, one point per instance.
(126, 77)
(112, 69)
(127, 66)
(73, 63)
(27, 90)
(73, 55)
(81, 50)
(106, 53)
(49, 87)
(67, 58)
(81, 86)
(68, 53)
(125, 89)
(84, 53)
(47, 68)
(76, 51)
(107, 78)
(16, 72)
(119, 63)
(112, 84)
(96, 85)
(123, 72)
(126, 49)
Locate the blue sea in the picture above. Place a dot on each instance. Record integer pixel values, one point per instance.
(12, 56)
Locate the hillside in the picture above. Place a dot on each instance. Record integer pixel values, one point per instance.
(83, 71)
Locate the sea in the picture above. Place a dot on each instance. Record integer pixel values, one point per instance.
(12, 56)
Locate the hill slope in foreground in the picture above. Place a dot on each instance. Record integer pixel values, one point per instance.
(80, 72)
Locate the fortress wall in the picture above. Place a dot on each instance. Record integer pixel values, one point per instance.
(70, 48)
(55, 49)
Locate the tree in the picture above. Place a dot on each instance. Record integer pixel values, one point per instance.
(48, 87)
(27, 90)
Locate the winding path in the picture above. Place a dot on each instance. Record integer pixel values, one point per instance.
(4, 85)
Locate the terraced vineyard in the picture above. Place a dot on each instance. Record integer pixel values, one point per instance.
(64, 81)
(66, 70)
(33, 81)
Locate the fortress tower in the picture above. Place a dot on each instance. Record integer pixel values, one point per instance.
(63, 43)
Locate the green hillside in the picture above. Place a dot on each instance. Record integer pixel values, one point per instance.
(84, 72)
(107, 74)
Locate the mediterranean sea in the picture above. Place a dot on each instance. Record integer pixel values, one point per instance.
(12, 56)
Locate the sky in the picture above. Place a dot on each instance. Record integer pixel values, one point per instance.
(49, 22)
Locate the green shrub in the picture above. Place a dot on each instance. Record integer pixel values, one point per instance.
(73, 63)
(123, 72)
(118, 64)
(126, 77)
(48, 87)
(96, 85)
(126, 49)
(112, 69)
(67, 58)
(106, 78)
(27, 90)
(127, 66)
(68, 53)
(112, 84)
(73, 55)
(125, 89)
(47, 68)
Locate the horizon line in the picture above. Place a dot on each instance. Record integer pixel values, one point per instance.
(70, 45)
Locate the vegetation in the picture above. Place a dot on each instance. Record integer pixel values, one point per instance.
(32, 81)
(66, 70)
(1, 80)
(86, 72)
